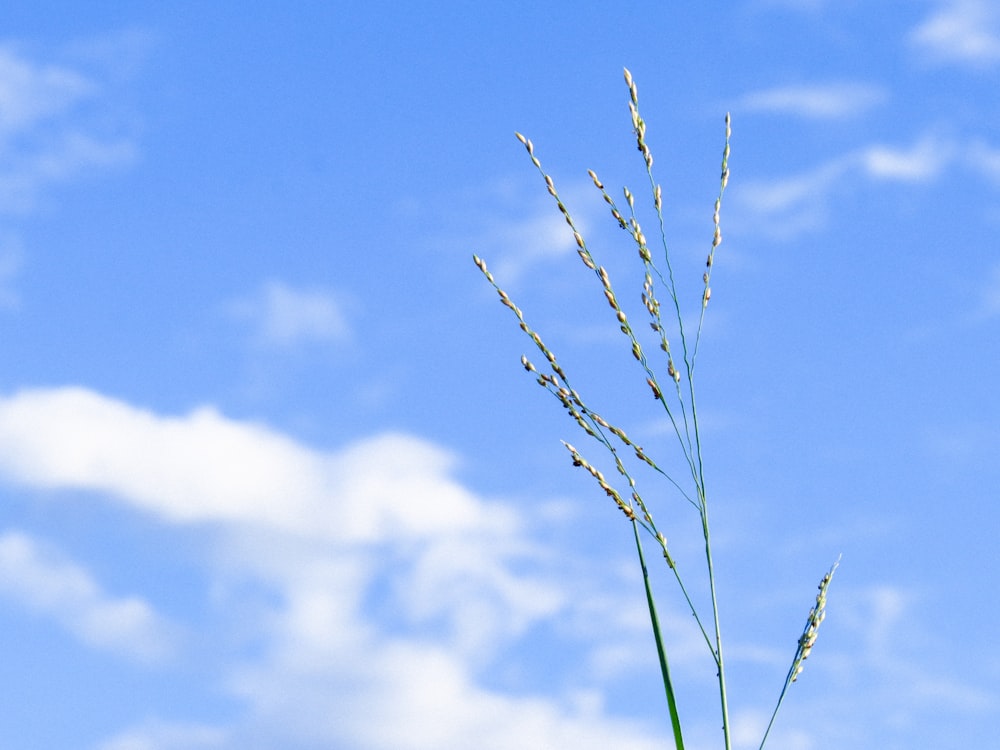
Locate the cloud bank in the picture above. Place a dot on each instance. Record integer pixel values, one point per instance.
(394, 589)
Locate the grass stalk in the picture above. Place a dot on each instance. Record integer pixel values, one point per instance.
(678, 402)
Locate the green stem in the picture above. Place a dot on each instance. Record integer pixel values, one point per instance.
(675, 721)
(719, 661)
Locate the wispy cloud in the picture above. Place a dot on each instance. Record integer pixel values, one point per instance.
(790, 205)
(919, 163)
(283, 315)
(159, 735)
(11, 256)
(801, 5)
(883, 616)
(819, 101)
(45, 582)
(31, 93)
(989, 306)
(44, 137)
(62, 157)
(537, 233)
(961, 31)
(985, 159)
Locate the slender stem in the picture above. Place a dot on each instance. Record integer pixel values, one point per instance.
(703, 503)
(774, 714)
(719, 660)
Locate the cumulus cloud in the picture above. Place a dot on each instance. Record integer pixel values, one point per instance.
(203, 467)
(393, 589)
(42, 580)
(394, 595)
(961, 31)
(283, 315)
(819, 101)
(415, 696)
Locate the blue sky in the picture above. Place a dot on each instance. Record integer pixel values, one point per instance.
(271, 474)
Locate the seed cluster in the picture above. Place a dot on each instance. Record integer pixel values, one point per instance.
(816, 616)
(555, 380)
(678, 400)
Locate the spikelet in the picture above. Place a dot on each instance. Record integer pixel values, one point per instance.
(816, 616)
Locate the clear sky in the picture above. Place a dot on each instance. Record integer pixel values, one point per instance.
(272, 476)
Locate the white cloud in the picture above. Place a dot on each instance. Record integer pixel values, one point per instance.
(923, 161)
(43, 139)
(157, 735)
(788, 206)
(31, 93)
(785, 207)
(801, 5)
(991, 293)
(782, 195)
(59, 159)
(413, 696)
(11, 255)
(829, 101)
(961, 31)
(205, 468)
(458, 579)
(529, 241)
(539, 233)
(482, 603)
(984, 159)
(395, 596)
(282, 315)
(46, 583)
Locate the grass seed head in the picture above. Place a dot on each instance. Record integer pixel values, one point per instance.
(653, 387)
(816, 616)
(481, 265)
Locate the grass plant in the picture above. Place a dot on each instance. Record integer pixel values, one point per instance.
(669, 373)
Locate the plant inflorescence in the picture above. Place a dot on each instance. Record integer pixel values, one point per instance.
(672, 384)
